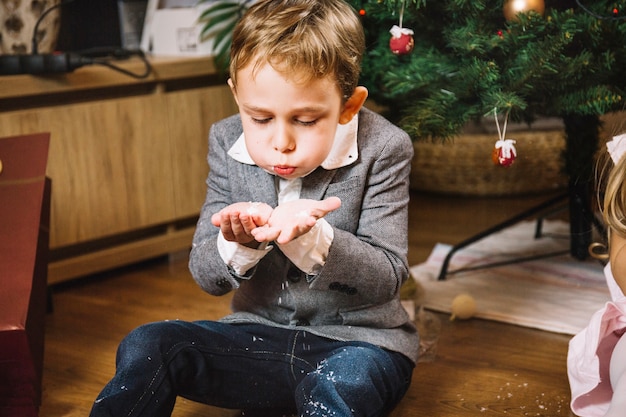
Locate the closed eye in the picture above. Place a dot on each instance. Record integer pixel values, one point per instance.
(306, 122)
(261, 121)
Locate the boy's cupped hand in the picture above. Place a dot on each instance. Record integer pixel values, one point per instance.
(237, 221)
(293, 219)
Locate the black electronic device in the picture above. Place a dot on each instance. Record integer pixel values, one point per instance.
(57, 63)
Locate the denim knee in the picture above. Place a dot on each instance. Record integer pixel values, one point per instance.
(150, 341)
(354, 368)
(360, 380)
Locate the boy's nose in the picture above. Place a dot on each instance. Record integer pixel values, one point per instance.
(283, 140)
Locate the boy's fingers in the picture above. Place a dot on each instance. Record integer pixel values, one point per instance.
(259, 233)
(326, 206)
(265, 233)
(331, 203)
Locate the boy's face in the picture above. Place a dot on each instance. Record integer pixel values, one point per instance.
(289, 126)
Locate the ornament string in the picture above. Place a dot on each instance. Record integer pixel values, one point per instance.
(501, 135)
(401, 14)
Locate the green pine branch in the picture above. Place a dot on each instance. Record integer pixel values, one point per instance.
(469, 60)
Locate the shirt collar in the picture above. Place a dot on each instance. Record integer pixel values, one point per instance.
(344, 151)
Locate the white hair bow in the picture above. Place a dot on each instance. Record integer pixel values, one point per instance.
(617, 147)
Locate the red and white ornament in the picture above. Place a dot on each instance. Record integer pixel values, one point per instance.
(504, 152)
(401, 42)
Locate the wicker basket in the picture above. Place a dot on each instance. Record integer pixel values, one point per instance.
(463, 165)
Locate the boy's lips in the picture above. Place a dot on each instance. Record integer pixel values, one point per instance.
(284, 170)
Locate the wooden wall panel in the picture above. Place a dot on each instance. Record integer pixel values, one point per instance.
(191, 114)
(109, 163)
(127, 156)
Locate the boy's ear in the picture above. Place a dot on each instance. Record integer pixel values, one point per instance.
(353, 105)
(233, 90)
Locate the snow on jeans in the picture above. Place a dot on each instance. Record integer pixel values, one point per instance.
(250, 367)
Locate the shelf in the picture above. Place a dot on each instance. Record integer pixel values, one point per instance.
(96, 77)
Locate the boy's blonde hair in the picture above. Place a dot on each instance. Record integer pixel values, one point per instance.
(307, 39)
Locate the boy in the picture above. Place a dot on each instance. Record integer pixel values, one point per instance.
(306, 219)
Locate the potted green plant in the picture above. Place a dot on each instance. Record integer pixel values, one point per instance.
(219, 20)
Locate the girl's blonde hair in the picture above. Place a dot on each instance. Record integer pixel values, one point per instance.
(307, 39)
(614, 207)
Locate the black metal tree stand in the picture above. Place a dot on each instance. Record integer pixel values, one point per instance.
(582, 137)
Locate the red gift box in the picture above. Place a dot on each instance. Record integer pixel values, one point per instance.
(24, 225)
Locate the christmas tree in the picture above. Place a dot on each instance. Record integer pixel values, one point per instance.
(468, 59)
(520, 59)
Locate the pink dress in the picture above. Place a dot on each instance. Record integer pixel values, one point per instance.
(590, 351)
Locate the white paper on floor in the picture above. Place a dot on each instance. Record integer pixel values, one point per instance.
(557, 294)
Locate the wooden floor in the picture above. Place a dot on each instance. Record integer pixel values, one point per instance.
(482, 368)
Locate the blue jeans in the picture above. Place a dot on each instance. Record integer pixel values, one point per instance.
(250, 367)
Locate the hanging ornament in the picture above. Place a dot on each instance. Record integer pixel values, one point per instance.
(401, 42)
(512, 8)
(504, 152)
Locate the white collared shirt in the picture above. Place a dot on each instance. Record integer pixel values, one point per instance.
(309, 251)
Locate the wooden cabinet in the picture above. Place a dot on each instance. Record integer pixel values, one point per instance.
(127, 156)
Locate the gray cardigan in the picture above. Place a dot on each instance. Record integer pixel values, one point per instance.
(356, 294)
